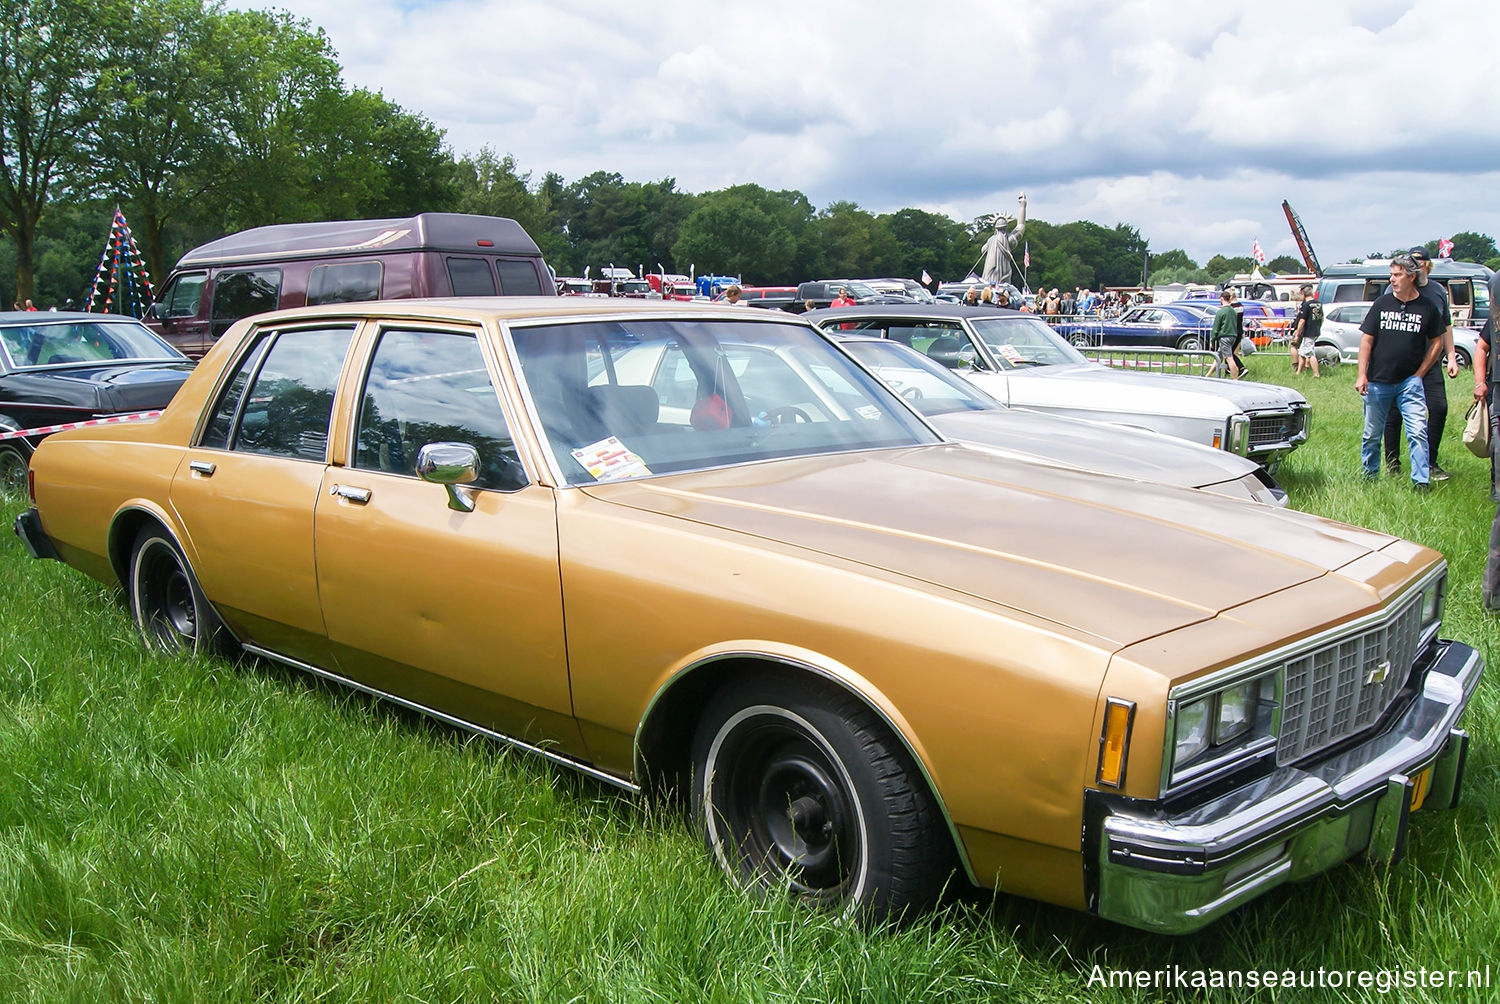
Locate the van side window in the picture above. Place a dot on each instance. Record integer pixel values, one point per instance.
(287, 408)
(184, 296)
(471, 277)
(345, 283)
(518, 278)
(432, 387)
(240, 294)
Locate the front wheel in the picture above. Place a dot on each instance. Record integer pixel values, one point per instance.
(1080, 340)
(169, 608)
(1462, 356)
(799, 785)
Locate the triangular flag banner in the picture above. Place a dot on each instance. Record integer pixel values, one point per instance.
(118, 268)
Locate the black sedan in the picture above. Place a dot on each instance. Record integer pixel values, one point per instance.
(57, 368)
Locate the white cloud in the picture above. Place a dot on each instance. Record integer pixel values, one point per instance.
(1191, 124)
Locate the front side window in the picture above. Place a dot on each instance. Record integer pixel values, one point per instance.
(240, 294)
(629, 399)
(344, 283)
(62, 342)
(184, 297)
(280, 400)
(433, 387)
(471, 277)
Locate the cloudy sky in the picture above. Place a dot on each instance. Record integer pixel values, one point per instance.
(1192, 124)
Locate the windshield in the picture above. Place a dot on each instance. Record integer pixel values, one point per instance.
(927, 386)
(1024, 341)
(619, 400)
(59, 342)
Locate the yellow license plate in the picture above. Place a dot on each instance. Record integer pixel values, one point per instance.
(1420, 783)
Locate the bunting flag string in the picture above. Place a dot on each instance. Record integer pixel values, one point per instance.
(121, 275)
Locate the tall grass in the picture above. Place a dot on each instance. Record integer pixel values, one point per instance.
(195, 830)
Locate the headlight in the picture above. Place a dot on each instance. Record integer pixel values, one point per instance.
(1219, 727)
(1192, 730)
(1432, 603)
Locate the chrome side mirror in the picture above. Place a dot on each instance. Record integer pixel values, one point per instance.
(451, 465)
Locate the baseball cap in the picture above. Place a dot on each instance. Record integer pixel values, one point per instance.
(1420, 254)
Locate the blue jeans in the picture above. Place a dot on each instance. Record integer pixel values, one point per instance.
(1409, 396)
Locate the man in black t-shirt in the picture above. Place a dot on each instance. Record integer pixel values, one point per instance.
(1432, 384)
(1402, 339)
(1487, 383)
(1309, 327)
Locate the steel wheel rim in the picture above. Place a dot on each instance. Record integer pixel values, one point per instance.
(788, 810)
(168, 611)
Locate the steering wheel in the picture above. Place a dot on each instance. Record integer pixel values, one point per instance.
(789, 413)
(912, 393)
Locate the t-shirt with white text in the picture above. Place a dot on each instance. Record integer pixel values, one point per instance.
(1402, 332)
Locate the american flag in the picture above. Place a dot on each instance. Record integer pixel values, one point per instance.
(1445, 248)
(1256, 252)
(1026, 255)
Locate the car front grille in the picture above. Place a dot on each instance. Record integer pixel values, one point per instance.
(1276, 429)
(1344, 687)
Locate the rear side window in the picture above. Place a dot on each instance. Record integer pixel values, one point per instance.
(471, 277)
(345, 283)
(518, 278)
(240, 294)
(280, 401)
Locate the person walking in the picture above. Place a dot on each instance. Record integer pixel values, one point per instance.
(1432, 384)
(1402, 337)
(1225, 335)
(1309, 327)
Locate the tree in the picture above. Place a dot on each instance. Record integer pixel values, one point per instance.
(1285, 263)
(1223, 269)
(49, 77)
(1173, 259)
(853, 243)
(165, 88)
(747, 230)
(928, 242)
(1469, 246)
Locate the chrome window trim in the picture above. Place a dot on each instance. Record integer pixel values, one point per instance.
(1214, 682)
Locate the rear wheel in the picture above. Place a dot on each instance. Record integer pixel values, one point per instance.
(799, 785)
(168, 606)
(1190, 343)
(1080, 340)
(13, 464)
(1462, 356)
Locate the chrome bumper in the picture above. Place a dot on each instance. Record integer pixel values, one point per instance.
(29, 529)
(1176, 873)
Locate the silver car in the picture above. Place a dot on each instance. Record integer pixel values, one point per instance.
(1340, 332)
(961, 411)
(1020, 361)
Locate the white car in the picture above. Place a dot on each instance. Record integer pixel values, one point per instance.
(1022, 362)
(961, 411)
(1341, 333)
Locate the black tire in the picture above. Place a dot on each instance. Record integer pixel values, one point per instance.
(169, 608)
(1464, 362)
(1190, 343)
(1080, 340)
(14, 460)
(799, 785)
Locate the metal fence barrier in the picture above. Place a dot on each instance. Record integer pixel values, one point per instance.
(1163, 360)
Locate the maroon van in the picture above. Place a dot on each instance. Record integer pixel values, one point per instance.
(294, 264)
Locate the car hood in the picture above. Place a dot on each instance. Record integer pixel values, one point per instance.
(1246, 396)
(1095, 446)
(1119, 560)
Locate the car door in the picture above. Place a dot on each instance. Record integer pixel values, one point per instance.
(178, 314)
(458, 612)
(248, 487)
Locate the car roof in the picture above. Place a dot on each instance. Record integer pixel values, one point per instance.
(45, 316)
(520, 308)
(428, 231)
(916, 310)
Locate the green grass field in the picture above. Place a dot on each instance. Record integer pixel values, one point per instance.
(195, 830)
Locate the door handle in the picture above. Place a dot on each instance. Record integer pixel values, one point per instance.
(202, 467)
(359, 496)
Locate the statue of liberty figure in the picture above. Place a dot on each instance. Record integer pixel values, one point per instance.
(997, 250)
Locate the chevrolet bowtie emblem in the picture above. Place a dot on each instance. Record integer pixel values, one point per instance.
(1379, 673)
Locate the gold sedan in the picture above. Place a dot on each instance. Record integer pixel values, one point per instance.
(700, 549)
